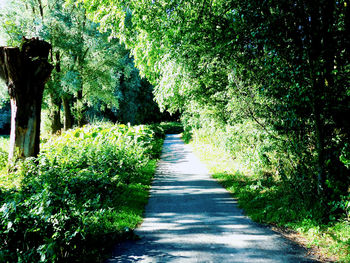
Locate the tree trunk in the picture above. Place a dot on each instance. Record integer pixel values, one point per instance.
(81, 108)
(68, 117)
(55, 115)
(317, 91)
(320, 138)
(25, 71)
(56, 101)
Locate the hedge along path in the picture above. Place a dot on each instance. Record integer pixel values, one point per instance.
(191, 218)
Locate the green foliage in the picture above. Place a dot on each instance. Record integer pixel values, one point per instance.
(84, 192)
(280, 64)
(93, 71)
(171, 127)
(4, 148)
(7, 180)
(267, 197)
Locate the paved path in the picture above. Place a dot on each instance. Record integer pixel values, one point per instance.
(191, 218)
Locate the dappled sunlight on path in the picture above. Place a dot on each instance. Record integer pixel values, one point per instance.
(191, 218)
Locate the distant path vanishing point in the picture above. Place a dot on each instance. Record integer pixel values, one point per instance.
(191, 218)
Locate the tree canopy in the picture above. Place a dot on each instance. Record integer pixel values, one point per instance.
(283, 64)
(91, 69)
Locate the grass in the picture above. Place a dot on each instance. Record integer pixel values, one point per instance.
(271, 202)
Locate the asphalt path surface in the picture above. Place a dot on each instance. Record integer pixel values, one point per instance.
(191, 218)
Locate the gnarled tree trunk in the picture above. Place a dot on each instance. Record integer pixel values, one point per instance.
(25, 71)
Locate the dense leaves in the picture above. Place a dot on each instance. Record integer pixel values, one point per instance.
(94, 76)
(84, 192)
(268, 81)
(281, 64)
(247, 163)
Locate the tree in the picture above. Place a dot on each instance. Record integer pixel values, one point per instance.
(82, 61)
(25, 71)
(93, 73)
(285, 63)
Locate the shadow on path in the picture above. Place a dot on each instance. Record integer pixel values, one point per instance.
(191, 218)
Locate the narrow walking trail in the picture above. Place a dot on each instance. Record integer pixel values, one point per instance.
(191, 218)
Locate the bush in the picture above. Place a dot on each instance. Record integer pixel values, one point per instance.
(84, 192)
(4, 147)
(172, 127)
(254, 167)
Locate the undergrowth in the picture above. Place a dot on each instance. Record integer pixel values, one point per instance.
(172, 127)
(4, 148)
(84, 192)
(241, 167)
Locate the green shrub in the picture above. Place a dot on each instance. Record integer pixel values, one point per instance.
(83, 193)
(4, 147)
(260, 175)
(172, 127)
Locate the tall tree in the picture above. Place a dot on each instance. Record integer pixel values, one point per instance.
(284, 62)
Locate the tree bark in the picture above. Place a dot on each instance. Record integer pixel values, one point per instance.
(25, 71)
(81, 108)
(56, 101)
(322, 56)
(68, 117)
(56, 124)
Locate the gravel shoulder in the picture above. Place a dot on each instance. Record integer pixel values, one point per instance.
(191, 218)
